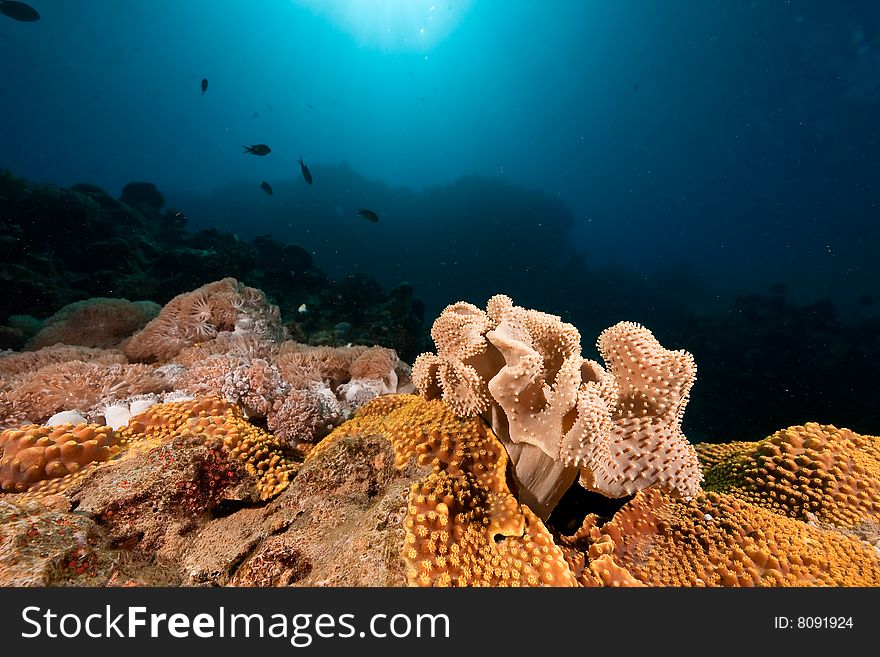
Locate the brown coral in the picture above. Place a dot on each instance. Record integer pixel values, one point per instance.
(264, 456)
(810, 472)
(374, 363)
(245, 345)
(559, 414)
(464, 527)
(198, 316)
(96, 322)
(304, 365)
(715, 539)
(36, 457)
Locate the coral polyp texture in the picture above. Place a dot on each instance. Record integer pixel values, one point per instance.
(812, 472)
(464, 527)
(559, 414)
(221, 307)
(41, 458)
(716, 539)
(97, 322)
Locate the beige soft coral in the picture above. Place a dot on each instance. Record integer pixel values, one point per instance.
(559, 414)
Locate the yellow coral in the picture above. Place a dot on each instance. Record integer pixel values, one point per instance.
(41, 460)
(810, 472)
(464, 527)
(718, 540)
(161, 421)
(265, 457)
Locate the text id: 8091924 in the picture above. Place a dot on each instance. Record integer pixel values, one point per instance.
(813, 622)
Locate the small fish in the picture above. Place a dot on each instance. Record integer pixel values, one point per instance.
(258, 149)
(302, 309)
(266, 187)
(369, 215)
(307, 175)
(19, 11)
(204, 85)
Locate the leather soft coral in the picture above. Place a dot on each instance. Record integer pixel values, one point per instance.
(559, 414)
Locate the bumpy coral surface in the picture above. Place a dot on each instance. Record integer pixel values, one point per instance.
(716, 539)
(40, 458)
(464, 527)
(809, 472)
(218, 422)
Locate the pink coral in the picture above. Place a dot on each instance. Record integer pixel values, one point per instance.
(246, 345)
(305, 415)
(302, 365)
(255, 384)
(201, 315)
(15, 365)
(374, 363)
(77, 385)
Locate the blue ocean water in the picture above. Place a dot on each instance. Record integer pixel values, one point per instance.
(637, 160)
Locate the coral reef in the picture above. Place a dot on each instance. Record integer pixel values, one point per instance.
(242, 458)
(198, 316)
(717, 539)
(34, 455)
(464, 527)
(405, 493)
(82, 386)
(222, 339)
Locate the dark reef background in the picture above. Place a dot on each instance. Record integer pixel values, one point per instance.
(707, 169)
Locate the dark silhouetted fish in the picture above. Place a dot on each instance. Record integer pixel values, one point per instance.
(19, 11)
(266, 187)
(307, 175)
(258, 149)
(369, 215)
(865, 300)
(204, 85)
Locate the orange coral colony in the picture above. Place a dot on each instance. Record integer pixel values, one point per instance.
(464, 527)
(716, 539)
(40, 458)
(811, 472)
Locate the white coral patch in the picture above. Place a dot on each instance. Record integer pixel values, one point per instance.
(66, 417)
